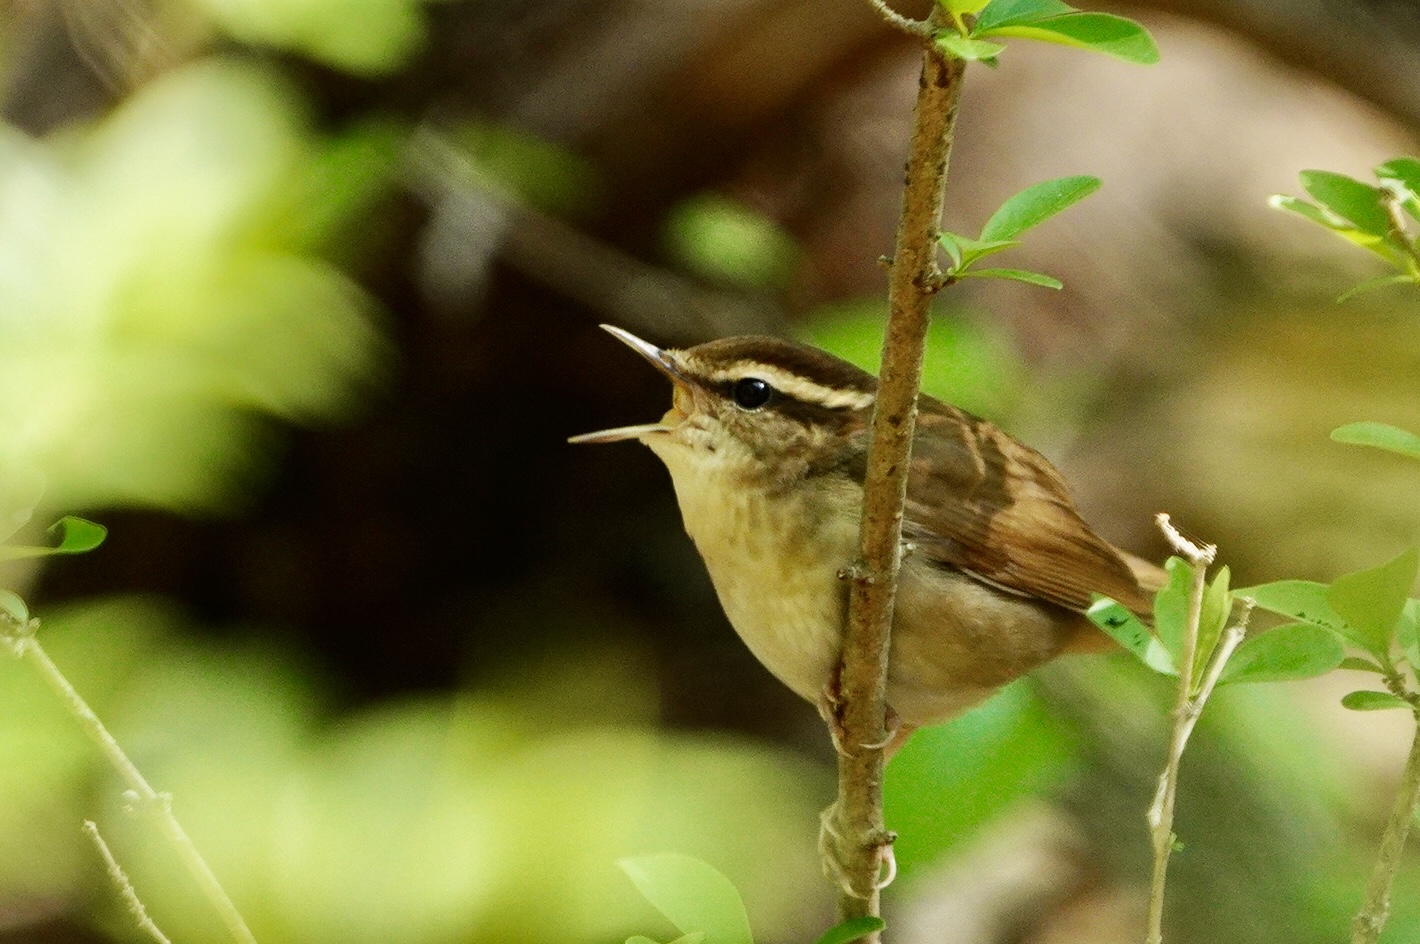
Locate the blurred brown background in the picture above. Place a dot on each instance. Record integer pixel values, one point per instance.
(300, 300)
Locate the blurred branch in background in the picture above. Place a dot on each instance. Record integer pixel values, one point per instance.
(478, 219)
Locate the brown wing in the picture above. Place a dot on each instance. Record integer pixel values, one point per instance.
(982, 502)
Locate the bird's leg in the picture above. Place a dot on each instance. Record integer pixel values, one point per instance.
(830, 844)
(829, 705)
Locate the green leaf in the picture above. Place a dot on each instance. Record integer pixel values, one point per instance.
(1035, 204)
(1130, 632)
(1385, 247)
(1378, 282)
(963, 6)
(1100, 32)
(1304, 600)
(693, 894)
(1290, 652)
(1016, 275)
(1358, 664)
(1350, 199)
(1379, 435)
(1000, 13)
(951, 243)
(1217, 607)
(1318, 215)
(638, 939)
(1171, 606)
(14, 607)
(1407, 633)
(852, 929)
(964, 250)
(972, 50)
(1373, 701)
(1373, 600)
(1404, 171)
(76, 536)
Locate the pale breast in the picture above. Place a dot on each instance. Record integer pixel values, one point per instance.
(774, 564)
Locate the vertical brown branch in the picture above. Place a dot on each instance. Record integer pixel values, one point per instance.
(914, 280)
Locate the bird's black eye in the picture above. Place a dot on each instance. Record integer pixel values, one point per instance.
(751, 393)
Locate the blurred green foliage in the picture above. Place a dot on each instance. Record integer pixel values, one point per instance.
(968, 363)
(366, 37)
(727, 243)
(160, 288)
(951, 779)
(464, 817)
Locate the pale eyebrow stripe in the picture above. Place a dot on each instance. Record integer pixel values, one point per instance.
(792, 385)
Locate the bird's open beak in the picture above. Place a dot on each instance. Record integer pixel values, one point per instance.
(660, 360)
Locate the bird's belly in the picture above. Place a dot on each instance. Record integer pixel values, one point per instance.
(774, 561)
(791, 618)
(775, 570)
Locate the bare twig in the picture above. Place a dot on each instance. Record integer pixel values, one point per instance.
(1366, 927)
(23, 643)
(914, 279)
(124, 886)
(920, 28)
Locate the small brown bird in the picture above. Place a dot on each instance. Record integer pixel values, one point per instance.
(766, 443)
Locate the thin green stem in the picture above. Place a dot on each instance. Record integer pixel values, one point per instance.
(124, 886)
(28, 648)
(1188, 708)
(1366, 927)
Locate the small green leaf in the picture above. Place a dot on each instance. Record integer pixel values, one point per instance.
(1383, 246)
(963, 6)
(1304, 600)
(1370, 284)
(964, 250)
(1373, 701)
(638, 939)
(1373, 600)
(14, 607)
(693, 894)
(1290, 652)
(1318, 215)
(1171, 606)
(1016, 275)
(1407, 633)
(1130, 632)
(1404, 171)
(76, 536)
(1036, 204)
(1350, 199)
(1217, 607)
(1099, 32)
(694, 937)
(951, 243)
(1379, 435)
(1000, 13)
(1358, 664)
(972, 50)
(852, 929)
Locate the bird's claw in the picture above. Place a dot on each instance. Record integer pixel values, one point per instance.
(830, 844)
